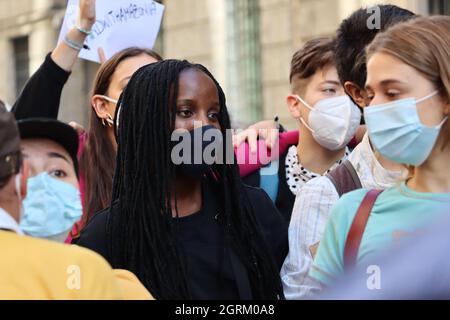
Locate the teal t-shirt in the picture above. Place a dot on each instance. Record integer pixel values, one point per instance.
(398, 213)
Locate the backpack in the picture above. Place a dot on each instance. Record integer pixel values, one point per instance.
(344, 178)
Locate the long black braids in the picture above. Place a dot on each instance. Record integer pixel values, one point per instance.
(142, 236)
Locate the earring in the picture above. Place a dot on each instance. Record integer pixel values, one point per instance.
(110, 121)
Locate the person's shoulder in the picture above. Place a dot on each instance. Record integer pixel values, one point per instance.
(355, 195)
(265, 210)
(94, 234)
(131, 287)
(99, 280)
(49, 269)
(100, 219)
(321, 183)
(56, 252)
(347, 206)
(255, 194)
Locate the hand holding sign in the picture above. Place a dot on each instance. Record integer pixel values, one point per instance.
(87, 14)
(119, 24)
(66, 53)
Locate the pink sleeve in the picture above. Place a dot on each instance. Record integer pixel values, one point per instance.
(353, 143)
(82, 144)
(79, 225)
(250, 162)
(287, 139)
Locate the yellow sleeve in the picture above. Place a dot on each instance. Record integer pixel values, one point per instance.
(130, 286)
(35, 269)
(98, 280)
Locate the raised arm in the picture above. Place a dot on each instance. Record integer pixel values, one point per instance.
(42, 93)
(64, 55)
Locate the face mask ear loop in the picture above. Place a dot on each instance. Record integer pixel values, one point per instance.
(109, 99)
(427, 97)
(117, 118)
(304, 103)
(443, 122)
(301, 118)
(305, 124)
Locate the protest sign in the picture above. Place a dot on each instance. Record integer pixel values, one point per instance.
(119, 24)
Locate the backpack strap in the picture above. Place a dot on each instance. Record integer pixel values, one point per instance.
(344, 178)
(357, 228)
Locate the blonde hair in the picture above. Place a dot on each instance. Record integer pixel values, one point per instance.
(424, 44)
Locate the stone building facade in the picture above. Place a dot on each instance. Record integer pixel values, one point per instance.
(247, 44)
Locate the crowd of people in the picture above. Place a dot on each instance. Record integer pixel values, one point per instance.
(361, 179)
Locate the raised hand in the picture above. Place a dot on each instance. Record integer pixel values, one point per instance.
(86, 17)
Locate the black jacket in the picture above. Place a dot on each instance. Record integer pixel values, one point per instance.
(40, 98)
(285, 198)
(198, 239)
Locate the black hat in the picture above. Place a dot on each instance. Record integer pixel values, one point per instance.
(54, 130)
(9, 144)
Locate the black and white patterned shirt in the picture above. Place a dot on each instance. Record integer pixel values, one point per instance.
(297, 175)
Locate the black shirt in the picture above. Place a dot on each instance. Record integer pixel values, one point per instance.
(285, 198)
(213, 269)
(208, 266)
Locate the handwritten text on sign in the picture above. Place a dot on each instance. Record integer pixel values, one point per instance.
(120, 24)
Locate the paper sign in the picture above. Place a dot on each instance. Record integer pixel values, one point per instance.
(120, 24)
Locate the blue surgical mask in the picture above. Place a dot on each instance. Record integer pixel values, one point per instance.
(398, 134)
(51, 207)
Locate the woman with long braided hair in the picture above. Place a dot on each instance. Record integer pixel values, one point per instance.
(187, 231)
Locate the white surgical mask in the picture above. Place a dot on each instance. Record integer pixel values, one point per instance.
(333, 122)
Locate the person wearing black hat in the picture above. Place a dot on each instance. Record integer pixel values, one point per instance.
(25, 271)
(53, 204)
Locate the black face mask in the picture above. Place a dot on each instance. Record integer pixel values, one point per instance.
(193, 152)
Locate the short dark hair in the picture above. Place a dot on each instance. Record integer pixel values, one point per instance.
(314, 55)
(4, 181)
(353, 36)
(14, 161)
(15, 158)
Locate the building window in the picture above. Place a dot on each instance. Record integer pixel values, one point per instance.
(439, 7)
(22, 62)
(244, 60)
